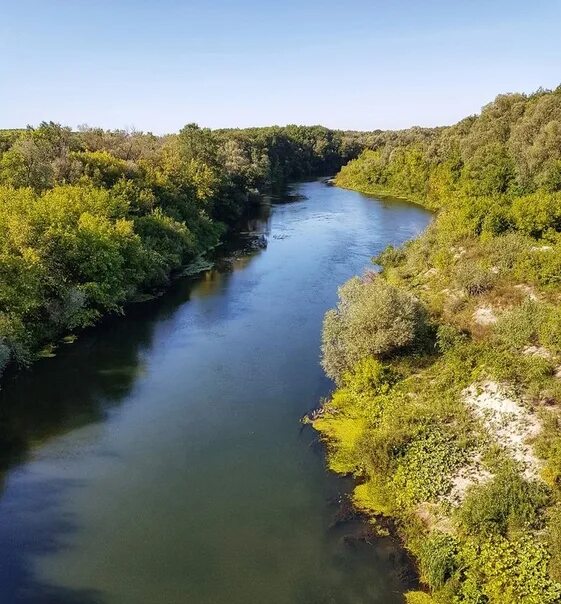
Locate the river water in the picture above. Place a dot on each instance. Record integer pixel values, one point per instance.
(160, 458)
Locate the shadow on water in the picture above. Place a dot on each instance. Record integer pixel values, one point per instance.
(80, 386)
(88, 378)
(17, 577)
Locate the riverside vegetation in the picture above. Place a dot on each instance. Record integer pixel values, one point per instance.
(92, 219)
(448, 359)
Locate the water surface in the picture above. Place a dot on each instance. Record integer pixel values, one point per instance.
(160, 459)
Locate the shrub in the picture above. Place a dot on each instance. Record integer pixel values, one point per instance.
(499, 571)
(549, 329)
(535, 214)
(390, 257)
(418, 597)
(448, 336)
(554, 542)
(424, 472)
(518, 327)
(369, 378)
(507, 504)
(372, 319)
(531, 323)
(437, 558)
(474, 279)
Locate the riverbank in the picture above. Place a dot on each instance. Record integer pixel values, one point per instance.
(458, 438)
(447, 364)
(382, 193)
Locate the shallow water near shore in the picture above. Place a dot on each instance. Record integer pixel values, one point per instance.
(160, 457)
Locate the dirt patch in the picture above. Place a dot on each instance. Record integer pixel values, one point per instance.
(537, 351)
(527, 291)
(468, 475)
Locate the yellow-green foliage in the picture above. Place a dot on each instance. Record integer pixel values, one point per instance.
(89, 218)
(531, 322)
(553, 540)
(342, 434)
(500, 571)
(494, 245)
(424, 471)
(418, 597)
(413, 438)
(344, 420)
(366, 498)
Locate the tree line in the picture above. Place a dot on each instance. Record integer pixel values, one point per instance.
(510, 151)
(89, 217)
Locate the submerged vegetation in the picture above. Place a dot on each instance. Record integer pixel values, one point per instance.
(91, 218)
(448, 359)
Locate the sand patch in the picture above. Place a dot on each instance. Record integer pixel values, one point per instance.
(509, 423)
(484, 315)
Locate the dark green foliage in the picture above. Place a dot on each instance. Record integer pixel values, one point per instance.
(447, 337)
(437, 558)
(474, 278)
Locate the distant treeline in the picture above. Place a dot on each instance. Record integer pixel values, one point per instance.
(89, 218)
(512, 149)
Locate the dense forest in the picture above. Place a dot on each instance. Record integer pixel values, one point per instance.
(91, 218)
(447, 357)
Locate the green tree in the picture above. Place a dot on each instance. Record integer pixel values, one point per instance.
(372, 319)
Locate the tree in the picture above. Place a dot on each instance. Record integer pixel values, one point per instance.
(372, 319)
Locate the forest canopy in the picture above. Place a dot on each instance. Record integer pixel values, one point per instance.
(90, 218)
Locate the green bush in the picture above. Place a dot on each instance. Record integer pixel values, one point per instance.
(418, 597)
(554, 542)
(502, 571)
(437, 558)
(531, 323)
(474, 278)
(372, 319)
(519, 327)
(427, 464)
(390, 256)
(549, 329)
(370, 378)
(537, 213)
(506, 504)
(448, 336)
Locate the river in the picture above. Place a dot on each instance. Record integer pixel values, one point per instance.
(160, 458)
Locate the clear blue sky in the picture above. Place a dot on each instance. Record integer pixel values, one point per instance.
(156, 65)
